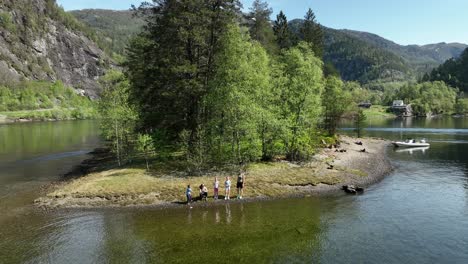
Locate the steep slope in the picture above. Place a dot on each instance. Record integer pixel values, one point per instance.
(453, 72)
(117, 26)
(359, 60)
(367, 57)
(39, 41)
(360, 56)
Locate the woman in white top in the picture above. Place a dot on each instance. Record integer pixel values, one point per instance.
(227, 187)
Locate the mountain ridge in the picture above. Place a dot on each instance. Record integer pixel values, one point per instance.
(358, 55)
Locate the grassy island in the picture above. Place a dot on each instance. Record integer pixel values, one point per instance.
(134, 186)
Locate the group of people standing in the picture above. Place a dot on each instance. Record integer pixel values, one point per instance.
(203, 190)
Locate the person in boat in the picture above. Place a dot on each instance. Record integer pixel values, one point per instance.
(240, 184)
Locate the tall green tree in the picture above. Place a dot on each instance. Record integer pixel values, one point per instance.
(335, 103)
(171, 63)
(312, 33)
(302, 86)
(260, 26)
(241, 82)
(282, 31)
(118, 114)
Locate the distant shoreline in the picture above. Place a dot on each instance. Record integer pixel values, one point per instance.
(265, 181)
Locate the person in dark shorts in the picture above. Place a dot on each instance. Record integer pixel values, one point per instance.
(240, 184)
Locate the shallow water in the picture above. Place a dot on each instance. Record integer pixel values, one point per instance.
(418, 214)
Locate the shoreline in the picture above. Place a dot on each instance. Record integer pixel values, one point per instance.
(314, 179)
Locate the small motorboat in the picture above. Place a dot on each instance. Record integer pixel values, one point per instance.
(411, 143)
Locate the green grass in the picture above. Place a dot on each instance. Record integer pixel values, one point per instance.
(274, 179)
(49, 114)
(378, 111)
(40, 100)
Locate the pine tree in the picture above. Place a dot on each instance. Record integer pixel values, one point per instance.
(171, 63)
(282, 31)
(312, 33)
(260, 26)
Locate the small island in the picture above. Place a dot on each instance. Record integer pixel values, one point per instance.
(326, 173)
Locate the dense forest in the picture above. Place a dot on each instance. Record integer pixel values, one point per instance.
(358, 56)
(453, 72)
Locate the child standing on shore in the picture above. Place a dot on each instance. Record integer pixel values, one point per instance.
(216, 188)
(227, 187)
(188, 193)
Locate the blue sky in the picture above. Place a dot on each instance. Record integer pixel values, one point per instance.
(403, 21)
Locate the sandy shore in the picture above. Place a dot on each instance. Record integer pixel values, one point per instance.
(324, 175)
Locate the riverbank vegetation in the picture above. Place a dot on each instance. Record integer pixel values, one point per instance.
(40, 100)
(163, 184)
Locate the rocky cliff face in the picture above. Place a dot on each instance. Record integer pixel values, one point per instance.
(39, 41)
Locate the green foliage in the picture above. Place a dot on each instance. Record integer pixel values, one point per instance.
(356, 58)
(145, 145)
(454, 72)
(116, 27)
(171, 63)
(6, 22)
(429, 97)
(461, 107)
(242, 79)
(260, 26)
(301, 87)
(118, 115)
(215, 95)
(336, 102)
(360, 122)
(45, 100)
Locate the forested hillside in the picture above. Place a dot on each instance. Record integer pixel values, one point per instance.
(117, 26)
(367, 57)
(358, 56)
(453, 72)
(40, 41)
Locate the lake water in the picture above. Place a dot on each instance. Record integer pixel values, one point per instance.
(418, 214)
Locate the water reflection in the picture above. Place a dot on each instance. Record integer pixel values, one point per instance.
(412, 150)
(416, 215)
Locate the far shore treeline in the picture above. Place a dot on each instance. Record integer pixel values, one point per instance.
(205, 85)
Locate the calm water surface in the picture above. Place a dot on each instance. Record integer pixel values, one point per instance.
(418, 214)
